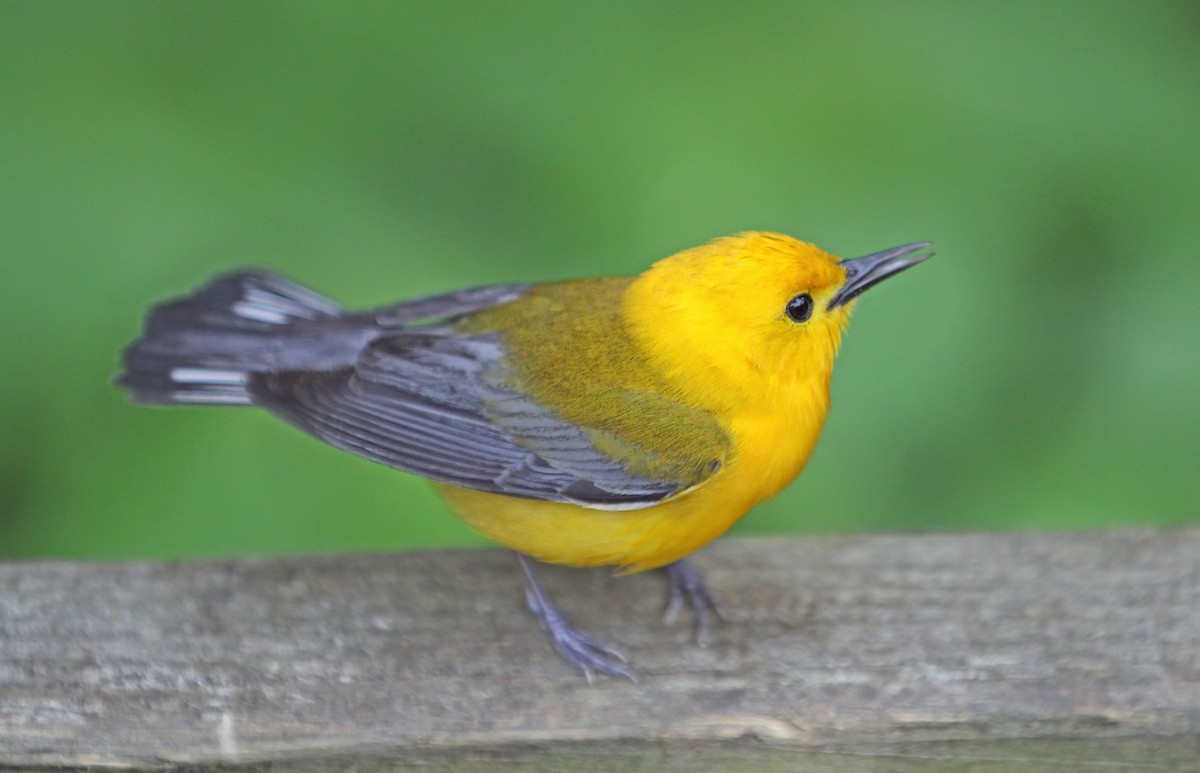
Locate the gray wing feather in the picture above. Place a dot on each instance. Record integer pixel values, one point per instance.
(255, 321)
(446, 305)
(425, 401)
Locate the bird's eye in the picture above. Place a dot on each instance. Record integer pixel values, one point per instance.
(800, 308)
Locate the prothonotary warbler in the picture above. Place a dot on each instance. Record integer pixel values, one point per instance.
(618, 421)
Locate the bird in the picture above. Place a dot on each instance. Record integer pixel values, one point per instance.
(620, 421)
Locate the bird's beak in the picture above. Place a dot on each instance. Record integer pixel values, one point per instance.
(869, 270)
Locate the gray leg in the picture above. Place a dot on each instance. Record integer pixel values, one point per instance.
(578, 649)
(688, 588)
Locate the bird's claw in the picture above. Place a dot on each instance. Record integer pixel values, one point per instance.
(584, 652)
(688, 588)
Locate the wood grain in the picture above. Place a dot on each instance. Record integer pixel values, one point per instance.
(1013, 652)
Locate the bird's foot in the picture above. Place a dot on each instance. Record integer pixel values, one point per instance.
(587, 654)
(580, 650)
(687, 587)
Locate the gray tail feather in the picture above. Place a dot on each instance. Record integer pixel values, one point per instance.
(201, 349)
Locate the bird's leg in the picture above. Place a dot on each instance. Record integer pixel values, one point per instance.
(578, 649)
(687, 587)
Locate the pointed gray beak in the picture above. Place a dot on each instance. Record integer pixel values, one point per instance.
(866, 272)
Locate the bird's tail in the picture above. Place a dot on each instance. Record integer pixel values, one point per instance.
(202, 349)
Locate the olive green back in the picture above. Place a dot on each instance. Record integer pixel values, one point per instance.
(566, 348)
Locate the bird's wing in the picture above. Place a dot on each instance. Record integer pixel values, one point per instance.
(445, 306)
(433, 402)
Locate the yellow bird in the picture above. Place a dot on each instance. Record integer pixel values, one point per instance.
(617, 421)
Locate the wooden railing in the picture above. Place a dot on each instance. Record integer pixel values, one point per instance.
(996, 652)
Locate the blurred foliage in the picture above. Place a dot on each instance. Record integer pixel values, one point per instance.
(1041, 372)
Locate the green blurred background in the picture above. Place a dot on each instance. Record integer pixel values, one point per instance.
(1042, 372)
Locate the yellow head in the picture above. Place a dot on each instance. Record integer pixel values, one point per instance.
(750, 318)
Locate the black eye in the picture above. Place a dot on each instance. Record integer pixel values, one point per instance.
(800, 308)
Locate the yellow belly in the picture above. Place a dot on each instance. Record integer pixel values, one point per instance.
(771, 455)
(568, 534)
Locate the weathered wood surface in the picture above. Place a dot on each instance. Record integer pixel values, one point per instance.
(1016, 652)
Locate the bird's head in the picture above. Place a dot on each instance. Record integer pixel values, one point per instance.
(756, 312)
